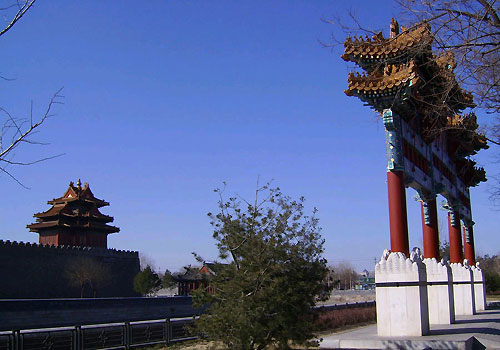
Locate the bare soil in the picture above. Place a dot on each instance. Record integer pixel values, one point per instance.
(349, 296)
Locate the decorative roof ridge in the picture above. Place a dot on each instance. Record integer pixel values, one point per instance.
(74, 193)
(446, 60)
(63, 208)
(469, 173)
(378, 46)
(393, 76)
(464, 121)
(379, 39)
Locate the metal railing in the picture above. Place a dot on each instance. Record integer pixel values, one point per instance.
(95, 337)
(123, 335)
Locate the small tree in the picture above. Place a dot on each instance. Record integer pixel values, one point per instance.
(444, 250)
(491, 268)
(147, 282)
(492, 281)
(265, 295)
(168, 280)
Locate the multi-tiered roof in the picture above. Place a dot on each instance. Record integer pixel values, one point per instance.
(74, 219)
(402, 73)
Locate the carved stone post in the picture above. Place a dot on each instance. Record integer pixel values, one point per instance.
(463, 289)
(401, 293)
(440, 292)
(479, 288)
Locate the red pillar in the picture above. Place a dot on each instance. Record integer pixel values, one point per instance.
(430, 230)
(397, 212)
(469, 252)
(456, 252)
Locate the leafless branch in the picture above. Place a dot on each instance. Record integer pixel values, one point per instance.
(470, 29)
(23, 7)
(18, 130)
(33, 162)
(14, 178)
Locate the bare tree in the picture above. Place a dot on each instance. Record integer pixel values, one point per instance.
(147, 260)
(465, 33)
(463, 38)
(16, 131)
(14, 11)
(470, 29)
(345, 275)
(85, 272)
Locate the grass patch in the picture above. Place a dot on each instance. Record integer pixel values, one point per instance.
(493, 297)
(194, 344)
(205, 345)
(330, 320)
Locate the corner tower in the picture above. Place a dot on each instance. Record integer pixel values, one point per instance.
(74, 220)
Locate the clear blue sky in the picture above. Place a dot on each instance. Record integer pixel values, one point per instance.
(165, 100)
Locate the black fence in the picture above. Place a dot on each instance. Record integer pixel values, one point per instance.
(51, 313)
(123, 322)
(94, 337)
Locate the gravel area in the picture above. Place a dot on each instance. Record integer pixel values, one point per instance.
(349, 296)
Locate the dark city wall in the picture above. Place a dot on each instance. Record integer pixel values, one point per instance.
(34, 314)
(30, 271)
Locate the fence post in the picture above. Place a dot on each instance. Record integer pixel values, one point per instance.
(168, 331)
(15, 340)
(77, 345)
(127, 335)
(19, 343)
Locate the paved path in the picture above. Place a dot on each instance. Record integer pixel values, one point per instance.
(481, 331)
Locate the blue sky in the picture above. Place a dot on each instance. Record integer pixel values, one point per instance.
(165, 100)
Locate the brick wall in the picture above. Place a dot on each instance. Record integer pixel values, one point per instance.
(30, 271)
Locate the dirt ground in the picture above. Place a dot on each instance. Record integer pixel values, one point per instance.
(209, 346)
(349, 296)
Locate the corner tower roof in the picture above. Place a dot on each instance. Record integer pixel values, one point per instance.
(77, 209)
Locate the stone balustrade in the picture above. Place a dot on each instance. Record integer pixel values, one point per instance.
(414, 293)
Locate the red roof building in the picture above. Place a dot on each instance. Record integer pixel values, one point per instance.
(195, 277)
(74, 220)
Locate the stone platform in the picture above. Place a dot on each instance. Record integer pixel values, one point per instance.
(471, 332)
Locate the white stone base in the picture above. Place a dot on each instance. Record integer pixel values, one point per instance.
(401, 295)
(463, 290)
(479, 288)
(440, 292)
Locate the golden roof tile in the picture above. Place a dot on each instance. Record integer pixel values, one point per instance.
(378, 47)
(392, 77)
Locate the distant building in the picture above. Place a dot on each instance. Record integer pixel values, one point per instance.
(74, 220)
(366, 280)
(365, 273)
(195, 277)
